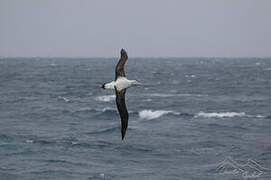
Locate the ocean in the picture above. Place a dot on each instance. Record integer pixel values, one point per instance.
(194, 118)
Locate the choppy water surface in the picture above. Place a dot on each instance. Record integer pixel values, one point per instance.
(193, 119)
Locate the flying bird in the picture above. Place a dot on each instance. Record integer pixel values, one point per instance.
(120, 84)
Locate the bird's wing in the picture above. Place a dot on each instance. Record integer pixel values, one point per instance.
(119, 71)
(120, 101)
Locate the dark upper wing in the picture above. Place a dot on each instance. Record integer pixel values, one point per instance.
(120, 101)
(119, 71)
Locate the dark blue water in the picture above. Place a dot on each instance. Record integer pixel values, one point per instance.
(194, 118)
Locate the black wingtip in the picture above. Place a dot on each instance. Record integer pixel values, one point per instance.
(122, 134)
(123, 52)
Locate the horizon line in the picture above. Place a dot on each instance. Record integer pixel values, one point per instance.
(135, 57)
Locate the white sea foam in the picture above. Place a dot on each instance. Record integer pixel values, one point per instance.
(149, 114)
(220, 114)
(106, 98)
(108, 109)
(74, 142)
(64, 98)
(260, 116)
(83, 109)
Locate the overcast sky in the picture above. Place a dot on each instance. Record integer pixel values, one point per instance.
(146, 28)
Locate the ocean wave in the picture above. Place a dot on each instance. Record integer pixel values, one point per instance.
(107, 113)
(6, 138)
(220, 114)
(85, 109)
(64, 98)
(260, 116)
(250, 170)
(29, 141)
(190, 76)
(53, 64)
(149, 114)
(106, 130)
(135, 148)
(176, 95)
(106, 98)
(267, 69)
(89, 109)
(108, 109)
(161, 95)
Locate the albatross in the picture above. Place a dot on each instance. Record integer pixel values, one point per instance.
(120, 84)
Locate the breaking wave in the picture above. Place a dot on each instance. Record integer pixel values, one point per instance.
(149, 114)
(106, 98)
(220, 114)
(105, 110)
(108, 109)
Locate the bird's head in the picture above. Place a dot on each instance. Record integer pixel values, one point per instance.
(103, 86)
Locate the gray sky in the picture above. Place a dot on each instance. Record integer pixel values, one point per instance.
(146, 28)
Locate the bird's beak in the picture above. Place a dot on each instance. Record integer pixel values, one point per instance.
(139, 84)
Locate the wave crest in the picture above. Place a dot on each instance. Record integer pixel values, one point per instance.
(106, 98)
(220, 114)
(149, 114)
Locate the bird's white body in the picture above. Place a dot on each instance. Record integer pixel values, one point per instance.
(121, 83)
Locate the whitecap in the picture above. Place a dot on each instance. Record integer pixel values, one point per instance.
(106, 98)
(64, 98)
(29, 141)
(108, 109)
(220, 114)
(95, 109)
(260, 116)
(149, 114)
(74, 142)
